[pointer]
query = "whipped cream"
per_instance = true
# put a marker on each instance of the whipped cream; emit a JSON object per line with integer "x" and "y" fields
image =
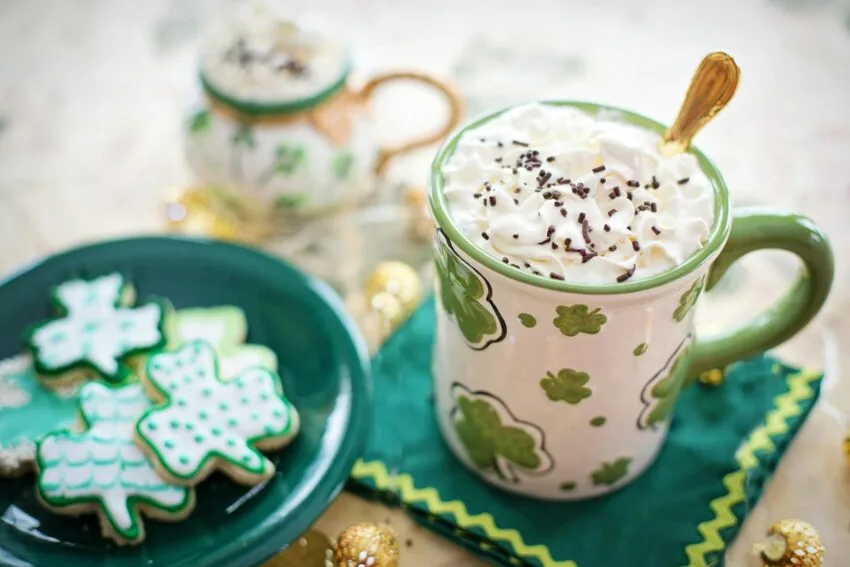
{"x": 557, "y": 192}
{"x": 259, "y": 55}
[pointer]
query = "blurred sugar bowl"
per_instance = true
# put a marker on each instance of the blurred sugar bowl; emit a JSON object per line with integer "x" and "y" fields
{"x": 282, "y": 127}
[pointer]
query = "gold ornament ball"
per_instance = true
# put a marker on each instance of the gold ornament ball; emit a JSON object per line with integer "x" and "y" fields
{"x": 366, "y": 545}
{"x": 394, "y": 290}
{"x": 712, "y": 377}
{"x": 792, "y": 543}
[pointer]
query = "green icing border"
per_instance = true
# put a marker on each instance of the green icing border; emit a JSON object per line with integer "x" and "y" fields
{"x": 166, "y": 403}
{"x": 124, "y": 372}
{"x": 136, "y": 530}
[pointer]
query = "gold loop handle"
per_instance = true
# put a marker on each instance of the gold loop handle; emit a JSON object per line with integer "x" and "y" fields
{"x": 455, "y": 113}
{"x": 711, "y": 88}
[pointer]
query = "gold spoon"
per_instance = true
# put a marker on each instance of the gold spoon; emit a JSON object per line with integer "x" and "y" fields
{"x": 711, "y": 89}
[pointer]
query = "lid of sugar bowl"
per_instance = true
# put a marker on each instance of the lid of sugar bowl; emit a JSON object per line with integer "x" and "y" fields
{"x": 260, "y": 62}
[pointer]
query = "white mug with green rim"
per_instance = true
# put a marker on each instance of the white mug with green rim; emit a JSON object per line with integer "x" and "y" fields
{"x": 563, "y": 391}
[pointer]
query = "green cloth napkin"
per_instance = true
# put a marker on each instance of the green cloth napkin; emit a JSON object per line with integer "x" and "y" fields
{"x": 724, "y": 444}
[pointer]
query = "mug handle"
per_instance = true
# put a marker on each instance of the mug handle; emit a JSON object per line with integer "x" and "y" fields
{"x": 757, "y": 230}
{"x": 455, "y": 111}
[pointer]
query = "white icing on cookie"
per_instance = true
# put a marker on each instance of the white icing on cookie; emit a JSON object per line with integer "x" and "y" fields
{"x": 95, "y": 330}
{"x": 16, "y": 455}
{"x": 12, "y": 395}
{"x": 204, "y": 418}
{"x": 103, "y": 462}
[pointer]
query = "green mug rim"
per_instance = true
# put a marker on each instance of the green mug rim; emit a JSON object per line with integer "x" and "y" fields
{"x": 254, "y": 108}
{"x": 717, "y": 235}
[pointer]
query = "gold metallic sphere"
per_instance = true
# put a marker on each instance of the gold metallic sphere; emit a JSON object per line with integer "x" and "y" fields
{"x": 393, "y": 290}
{"x": 792, "y": 543}
{"x": 366, "y": 545}
{"x": 712, "y": 377}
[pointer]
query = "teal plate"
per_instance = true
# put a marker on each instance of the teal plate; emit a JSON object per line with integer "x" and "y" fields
{"x": 324, "y": 366}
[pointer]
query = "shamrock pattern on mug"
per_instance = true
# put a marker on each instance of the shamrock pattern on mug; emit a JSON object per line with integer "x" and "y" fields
{"x": 203, "y": 423}
{"x": 97, "y": 329}
{"x": 467, "y": 297}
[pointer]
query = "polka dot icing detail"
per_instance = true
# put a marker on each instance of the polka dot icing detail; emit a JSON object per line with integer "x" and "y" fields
{"x": 259, "y": 412}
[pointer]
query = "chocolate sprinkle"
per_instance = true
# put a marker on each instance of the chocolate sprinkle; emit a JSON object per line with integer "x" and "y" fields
{"x": 492, "y": 201}
{"x": 612, "y": 248}
{"x": 550, "y": 159}
{"x": 655, "y": 184}
{"x": 585, "y": 231}
{"x": 623, "y": 277}
{"x": 555, "y": 276}
{"x": 635, "y": 245}
{"x": 498, "y": 160}
{"x": 516, "y": 201}
{"x": 606, "y": 228}
{"x": 505, "y": 260}
{"x": 655, "y": 230}
{"x": 684, "y": 180}
{"x": 563, "y": 212}
{"x": 554, "y": 246}
{"x": 599, "y": 169}
{"x": 581, "y": 217}
{"x": 632, "y": 183}
{"x": 518, "y": 143}
{"x": 516, "y": 236}
{"x": 477, "y": 195}
{"x": 551, "y": 230}
{"x": 611, "y": 212}
{"x": 603, "y": 180}
{"x": 653, "y": 207}
{"x": 485, "y": 236}
{"x": 559, "y": 203}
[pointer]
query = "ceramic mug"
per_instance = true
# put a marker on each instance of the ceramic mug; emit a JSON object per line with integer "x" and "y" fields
{"x": 299, "y": 156}
{"x": 564, "y": 391}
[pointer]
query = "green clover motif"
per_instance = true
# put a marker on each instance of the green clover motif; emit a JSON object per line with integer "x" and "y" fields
{"x": 244, "y": 136}
{"x": 341, "y": 164}
{"x": 493, "y": 445}
{"x": 289, "y": 201}
{"x": 465, "y": 295}
{"x": 567, "y": 386}
{"x": 287, "y": 160}
{"x": 688, "y": 300}
{"x": 609, "y": 474}
{"x": 575, "y": 319}
{"x": 200, "y": 122}
{"x": 660, "y": 394}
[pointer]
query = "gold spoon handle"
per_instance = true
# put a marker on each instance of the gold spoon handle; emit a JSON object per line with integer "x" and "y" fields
{"x": 711, "y": 88}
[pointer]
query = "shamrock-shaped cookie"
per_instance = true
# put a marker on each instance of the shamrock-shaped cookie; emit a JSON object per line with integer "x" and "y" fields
{"x": 225, "y": 329}
{"x": 97, "y": 329}
{"x": 102, "y": 470}
{"x": 28, "y": 411}
{"x": 203, "y": 423}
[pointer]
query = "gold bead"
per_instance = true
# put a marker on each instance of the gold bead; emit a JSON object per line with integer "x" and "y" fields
{"x": 420, "y": 224}
{"x": 393, "y": 290}
{"x": 310, "y": 550}
{"x": 366, "y": 545}
{"x": 792, "y": 543}
{"x": 847, "y": 446}
{"x": 201, "y": 211}
{"x": 712, "y": 377}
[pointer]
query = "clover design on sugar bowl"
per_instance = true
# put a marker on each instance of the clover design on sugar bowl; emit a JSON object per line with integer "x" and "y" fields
{"x": 281, "y": 125}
